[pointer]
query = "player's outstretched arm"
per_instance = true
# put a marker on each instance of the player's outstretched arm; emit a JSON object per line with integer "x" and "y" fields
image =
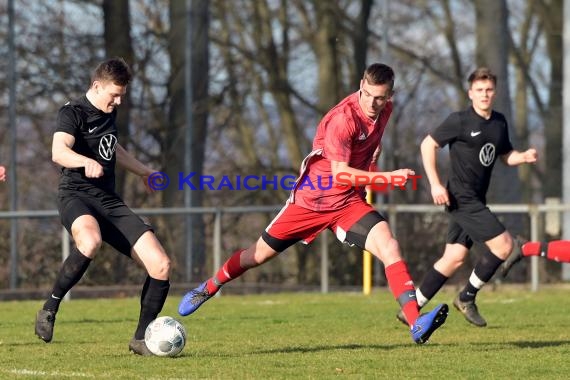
{"x": 130, "y": 163}
{"x": 514, "y": 157}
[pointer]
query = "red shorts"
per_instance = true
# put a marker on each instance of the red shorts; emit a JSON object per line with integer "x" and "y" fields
{"x": 295, "y": 223}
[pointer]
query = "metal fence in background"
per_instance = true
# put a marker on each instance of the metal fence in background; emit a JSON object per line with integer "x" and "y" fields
{"x": 533, "y": 211}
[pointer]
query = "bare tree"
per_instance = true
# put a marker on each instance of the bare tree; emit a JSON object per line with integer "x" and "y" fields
{"x": 174, "y": 145}
{"x": 550, "y": 12}
{"x": 522, "y": 54}
{"x": 492, "y": 51}
{"x": 275, "y": 68}
{"x": 117, "y": 36}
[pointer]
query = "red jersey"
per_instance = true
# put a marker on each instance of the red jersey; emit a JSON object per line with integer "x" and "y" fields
{"x": 344, "y": 134}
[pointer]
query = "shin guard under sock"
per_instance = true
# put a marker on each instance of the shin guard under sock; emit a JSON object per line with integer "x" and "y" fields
{"x": 230, "y": 270}
{"x": 70, "y": 273}
{"x": 153, "y": 296}
{"x": 402, "y": 287}
{"x": 431, "y": 284}
{"x": 482, "y": 273}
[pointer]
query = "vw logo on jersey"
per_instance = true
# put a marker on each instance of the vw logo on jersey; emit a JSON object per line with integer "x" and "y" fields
{"x": 107, "y": 146}
{"x": 487, "y": 154}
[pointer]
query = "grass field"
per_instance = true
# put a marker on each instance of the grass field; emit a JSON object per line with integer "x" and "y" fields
{"x": 297, "y": 336}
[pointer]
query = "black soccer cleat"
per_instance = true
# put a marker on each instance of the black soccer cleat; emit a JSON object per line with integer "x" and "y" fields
{"x": 138, "y": 347}
{"x": 470, "y": 312}
{"x": 45, "y": 319}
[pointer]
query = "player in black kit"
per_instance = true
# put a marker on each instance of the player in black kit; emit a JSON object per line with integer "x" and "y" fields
{"x": 476, "y": 137}
{"x": 85, "y": 146}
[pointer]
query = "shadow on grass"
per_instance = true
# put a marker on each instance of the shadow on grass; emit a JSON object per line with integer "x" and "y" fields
{"x": 320, "y": 348}
{"x": 387, "y": 347}
{"x": 535, "y": 344}
{"x": 485, "y": 346}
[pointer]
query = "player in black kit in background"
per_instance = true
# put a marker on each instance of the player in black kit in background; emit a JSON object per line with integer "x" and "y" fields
{"x": 85, "y": 146}
{"x": 476, "y": 137}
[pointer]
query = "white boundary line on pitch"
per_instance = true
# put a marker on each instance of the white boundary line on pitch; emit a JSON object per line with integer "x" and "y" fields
{"x": 25, "y": 372}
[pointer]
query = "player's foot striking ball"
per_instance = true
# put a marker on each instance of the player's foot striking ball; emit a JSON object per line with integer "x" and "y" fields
{"x": 193, "y": 300}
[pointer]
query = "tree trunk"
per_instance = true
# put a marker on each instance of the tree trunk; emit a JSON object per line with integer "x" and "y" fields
{"x": 175, "y": 137}
{"x": 360, "y": 40}
{"x": 551, "y": 14}
{"x": 200, "y": 112}
{"x": 117, "y": 35}
{"x": 326, "y": 49}
{"x": 492, "y": 51}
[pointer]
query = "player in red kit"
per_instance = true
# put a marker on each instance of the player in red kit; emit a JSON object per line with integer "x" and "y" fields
{"x": 347, "y": 144}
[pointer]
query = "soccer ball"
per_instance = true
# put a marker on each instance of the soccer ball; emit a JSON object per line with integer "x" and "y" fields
{"x": 165, "y": 336}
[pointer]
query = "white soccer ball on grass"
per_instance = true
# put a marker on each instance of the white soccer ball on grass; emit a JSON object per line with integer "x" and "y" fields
{"x": 165, "y": 336}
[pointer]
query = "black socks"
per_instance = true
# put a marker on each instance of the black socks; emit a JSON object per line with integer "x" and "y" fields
{"x": 70, "y": 273}
{"x": 153, "y": 296}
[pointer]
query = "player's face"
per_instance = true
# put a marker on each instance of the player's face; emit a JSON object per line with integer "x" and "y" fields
{"x": 109, "y": 95}
{"x": 482, "y": 95}
{"x": 373, "y": 99}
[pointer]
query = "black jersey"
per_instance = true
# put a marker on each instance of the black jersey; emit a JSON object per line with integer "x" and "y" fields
{"x": 474, "y": 145}
{"x": 95, "y": 137}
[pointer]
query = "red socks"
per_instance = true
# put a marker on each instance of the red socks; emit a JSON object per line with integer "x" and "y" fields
{"x": 230, "y": 270}
{"x": 401, "y": 284}
{"x": 531, "y": 248}
{"x": 557, "y": 250}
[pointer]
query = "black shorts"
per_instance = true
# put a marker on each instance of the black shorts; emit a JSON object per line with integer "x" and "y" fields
{"x": 120, "y": 227}
{"x": 466, "y": 227}
{"x": 359, "y": 231}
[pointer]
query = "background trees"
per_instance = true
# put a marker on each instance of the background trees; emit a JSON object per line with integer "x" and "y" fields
{"x": 263, "y": 72}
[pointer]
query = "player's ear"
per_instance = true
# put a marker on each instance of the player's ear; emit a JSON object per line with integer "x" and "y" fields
{"x": 96, "y": 85}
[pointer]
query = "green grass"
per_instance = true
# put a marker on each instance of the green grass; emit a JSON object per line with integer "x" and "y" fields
{"x": 302, "y": 336}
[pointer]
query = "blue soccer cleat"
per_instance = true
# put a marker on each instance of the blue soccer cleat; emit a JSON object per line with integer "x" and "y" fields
{"x": 427, "y": 323}
{"x": 193, "y": 300}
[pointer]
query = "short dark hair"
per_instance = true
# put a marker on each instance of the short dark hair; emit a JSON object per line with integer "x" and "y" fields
{"x": 379, "y": 73}
{"x": 482, "y": 73}
{"x": 114, "y": 70}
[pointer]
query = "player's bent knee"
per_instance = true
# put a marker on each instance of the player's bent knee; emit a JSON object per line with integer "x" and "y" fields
{"x": 261, "y": 255}
{"x": 393, "y": 247}
{"x": 89, "y": 246}
{"x": 504, "y": 250}
{"x": 160, "y": 270}
{"x": 389, "y": 253}
{"x": 454, "y": 264}
{"x": 504, "y": 253}
{"x": 453, "y": 261}
{"x": 164, "y": 266}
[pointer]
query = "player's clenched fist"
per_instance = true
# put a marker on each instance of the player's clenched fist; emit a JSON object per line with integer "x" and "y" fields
{"x": 93, "y": 169}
